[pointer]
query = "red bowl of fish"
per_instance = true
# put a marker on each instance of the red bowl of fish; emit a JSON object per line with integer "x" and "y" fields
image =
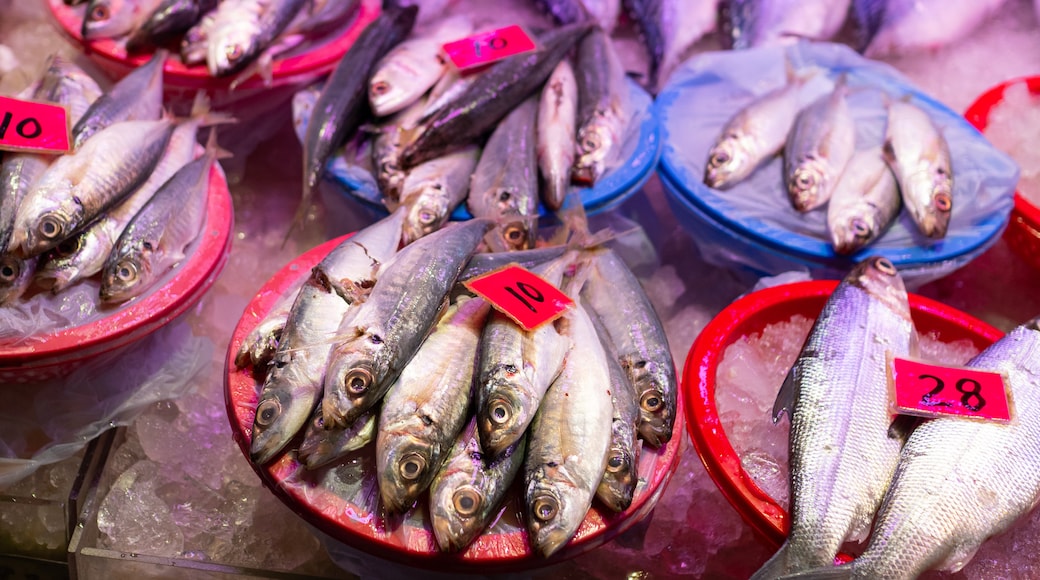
{"x": 183, "y": 81}
{"x": 59, "y": 353}
{"x": 320, "y": 496}
{"x": 1023, "y": 232}
{"x": 717, "y": 433}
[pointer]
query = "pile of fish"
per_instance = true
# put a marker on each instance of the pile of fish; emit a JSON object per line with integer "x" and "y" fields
{"x": 386, "y": 347}
{"x": 522, "y": 129}
{"x": 925, "y": 495}
{"x": 865, "y": 188}
{"x": 228, "y": 36}
{"x": 124, "y": 204}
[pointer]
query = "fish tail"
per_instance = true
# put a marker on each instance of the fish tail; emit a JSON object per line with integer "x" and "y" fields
{"x": 201, "y": 112}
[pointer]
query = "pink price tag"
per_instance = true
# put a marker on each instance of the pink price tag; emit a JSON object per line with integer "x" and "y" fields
{"x": 488, "y": 47}
{"x": 521, "y": 295}
{"x": 32, "y": 126}
{"x": 931, "y": 390}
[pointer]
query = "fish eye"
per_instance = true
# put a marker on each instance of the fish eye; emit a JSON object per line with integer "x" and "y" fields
{"x": 319, "y": 421}
{"x": 70, "y": 246}
{"x": 616, "y": 461}
{"x": 500, "y": 412}
{"x": 126, "y": 271}
{"x": 380, "y": 88}
{"x": 100, "y": 13}
{"x": 466, "y": 501}
{"x": 233, "y": 52}
{"x": 719, "y": 158}
{"x": 885, "y": 266}
{"x": 9, "y": 271}
{"x": 943, "y": 202}
{"x": 514, "y": 234}
{"x": 411, "y": 466}
{"x": 651, "y": 401}
{"x": 860, "y": 228}
{"x": 357, "y": 381}
{"x": 591, "y": 142}
{"x": 50, "y": 227}
{"x": 545, "y": 508}
{"x": 804, "y": 180}
{"x": 503, "y": 196}
{"x": 267, "y": 412}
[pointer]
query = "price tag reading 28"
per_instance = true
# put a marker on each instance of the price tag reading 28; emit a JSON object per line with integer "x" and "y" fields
{"x": 488, "y": 47}
{"x": 31, "y": 126}
{"x": 521, "y": 295}
{"x": 930, "y": 390}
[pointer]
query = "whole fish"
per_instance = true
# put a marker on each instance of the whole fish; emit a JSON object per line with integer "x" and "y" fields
{"x": 425, "y": 409}
{"x": 78, "y": 187}
{"x": 492, "y": 96}
{"x": 344, "y": 101}
{"x": 242, "y": 29}
{"x": 261, "y": 343}
{"x": 168, "y": 22}
{"x": 754, "y": 23}
{"x": 918, "y": 25}
{"x": 293, "y": 386}
{"x": 432, "y": 191}
{"x": 516, "y": 368}
{"x": 321, "y": 446}
{"x": 390, "y": 139}
{"x": 842, "y": 455}
{"x": 467, "y": 491}
{"x": 391, "y": 323}
{"x": 646, "y": 14}
{"x": 617, "y": 298}
{"x": 136, "y": 97}
{"x": 504, "y": 187}
{"x": 412, "y": 67}
{"x": 604, "y": 110}
{"x": 754, "y": 135}
{"x": 820, "y": 144}
{"x": 195, "y": 43}
{"x": 683, "y": 23}
{"x": 569, "y": 440}
{"x": 917, "y": 152}
{"x": 960, "y": 482}
{"x": 864, "y": 203}
{"x": 557, "y": 127}
{"x": 114, "y": 18}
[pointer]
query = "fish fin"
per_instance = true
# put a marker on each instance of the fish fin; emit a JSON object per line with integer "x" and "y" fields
{"x": 200, "y": 109}
{"x": 903, "y": 425}
{"x": 774, "y": 567}
{"x": 785, "y": 396}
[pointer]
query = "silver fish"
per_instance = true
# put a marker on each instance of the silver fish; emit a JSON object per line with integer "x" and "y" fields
{"x": 505, "y": 183}
{"x": 321, "y": 446}
{"x": 919, "y": 156}
{"x": 390, "y": 139}
{"x": 919, "y": 25}
{"x": 820, "y": 144}
{"x": 114, "y": 18}
{"x": 604, "y": 110}
{"x": 864, "y": 203}
{"x": 66, "y": 83}
{"x": 242, "y": 29}
{"x": 842, "y": 455}
{"x": 485, "y": 262}
{"x": 136, "y": 97}
{"x": 557, "y": 127}
{"x": 432, "y": 190}
{"x": 468, "y": 490}
{"x": 392, "y": 322}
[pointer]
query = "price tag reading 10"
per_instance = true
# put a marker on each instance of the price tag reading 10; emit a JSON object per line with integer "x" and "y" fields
{"x": 521, "y": 295}
{"x": 31, "y": 126}
{"x": 487, "y": 47}
{"x": 930, "y": 390}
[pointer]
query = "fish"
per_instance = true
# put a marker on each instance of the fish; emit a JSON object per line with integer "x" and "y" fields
{"x": 390, "y": 324}
{"x": 447, "y": 89}
{"x": 389, "y": 140}
{"x": 242, "y": 29}
{"x": 65, "y": 82}
{"x": 504, "y": 187}
{"x": 516, "y": 368}
{"x": 194, "y": 45}
{"x": 425, "y": 409}
{"x": 758, "y": 23}
{"x": 614, "y": 294}
{"x": 959, "y": 482}
{"x": 114, "y": 18}
{"x": 168, "y": 23}
{"x": 754, "y": 134}
{"x": 557, "y": 128}
{"x": 343, "y": 103}
{"x": 467, "y": 491}
{"x": 842, "y": 451}
{"x": 259, "y": 346}
{"x": 321, "y": 446}
{"x": 432, "y": 191}
{"x": 919, "y": 156}
{"x": 569, "y": 439}
{"x": 412, "y": 67}
{"x": 864, "y": 203}
{"x": 909, "y": 26}
{"x": 492, "y": 96}
{"x": 293, "y": 386}
{"x": 486, "y": 262}
{"x": 682, "y": 24}
{"x": 78, "y": 187}
{"x": 646, "y": 15}
{"x": 820, "y": 145}
{"x": 604, "y": 110}
{"x": 136, "y": 97}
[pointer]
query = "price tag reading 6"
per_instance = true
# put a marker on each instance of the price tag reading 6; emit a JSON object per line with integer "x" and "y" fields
{"x": 521, "y": 295}
{"x": 488, "y": 47}
{"x": 931, "y": 390}
{"x": 31, "y": 126}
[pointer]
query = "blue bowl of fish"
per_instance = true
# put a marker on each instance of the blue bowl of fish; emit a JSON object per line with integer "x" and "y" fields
{"x": 749, "y": 222}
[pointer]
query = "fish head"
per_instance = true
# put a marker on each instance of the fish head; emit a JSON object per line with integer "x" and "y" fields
{"x": 595, "y": 143}
{"x": 15, "y": 275}
{"x": 231, "y": 47}
{"x": 321, "y": 446}
{"x": 356, "y": 370}
{"x": 456, "y": 507}
{"x": 128, "y": 274}
{"x": 879, "y": 277}
{"x": 384, "y": 96}
{"x": 728, "y": 162}
{"x": 554, "y": 511}
{"x": 426, "y": 213}
{"x": 280, "y": 414}
{"x": 852, "y": 233}
{"x": 47, "y": 221}
{"x": 107, "y": 18}
{"x": 807, "y": 184}
{"x": 933, "y": 183}
{"x": 503, "y": 417}
{"x": 656, "y": 410}
{"x": 405, "y": 464}
{"x": 622, "y": 471}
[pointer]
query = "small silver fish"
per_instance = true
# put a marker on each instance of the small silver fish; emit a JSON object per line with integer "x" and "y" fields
{"x": 604, "y": 109}
{"x": 864, "y": 203}
{"x": 820, "y": 144}
{"x": 557, "y": 126}
{"x": 919, "y": 156}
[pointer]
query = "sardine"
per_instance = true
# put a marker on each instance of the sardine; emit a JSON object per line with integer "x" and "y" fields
{"x": 468, "y": 490}
{"x": 820, "y": 144}
{"x": 604, "y": 110}
{"x": 432, "y": 191}
{"x": 842, "y": 455}
{"x": 167, "y": 23}
{"x": 504, "y": 187}
{"x": 242, "y": 29}
{"x": 389, "y": 326}
{"x": 919, "y": 156}
{"x": 557, "y": 127}
{"x": 754, "y": 23}
{"x": 321, "y": 446}
{"x": 918, "y": 25}
{"x": 492, "y": 96}
{"x": 864, "y": 203}
{"x": 114, "y": 18}
{"x": 136, "y": 97}
{"x": 390, "y": 139}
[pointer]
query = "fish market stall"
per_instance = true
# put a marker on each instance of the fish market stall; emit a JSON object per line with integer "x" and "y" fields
{"x": 174, "y": 490}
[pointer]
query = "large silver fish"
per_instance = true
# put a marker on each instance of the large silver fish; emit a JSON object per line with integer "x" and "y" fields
{"x": 505, "y": 183}
{"x": 820, "y": 144}
{"x": 242, "y": 29}
{"x": 864, "y": 203}
{"x": 960, "y": 482}
{"x": 377, "y": 342}
{"x": 136, "y": 97}
{"x": 918, "y": 25}
{"x": 557, "y": 128}
{"x": 604, "y": 110}
{"x": 842, "y": 455}
{"x": 431, "y": 191}
{"x": 919, "y": 156}
{"x": 114, "y": 18}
